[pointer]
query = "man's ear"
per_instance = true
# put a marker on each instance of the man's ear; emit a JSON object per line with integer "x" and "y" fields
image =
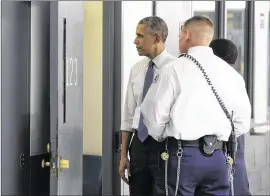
{"x": 187, "y": 34}
{"x": 158, "y": 39}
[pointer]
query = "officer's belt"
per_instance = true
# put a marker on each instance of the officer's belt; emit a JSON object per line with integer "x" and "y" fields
{"x": 173, "y": 143}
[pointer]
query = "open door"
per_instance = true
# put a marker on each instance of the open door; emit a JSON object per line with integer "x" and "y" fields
{"x": 56, "y": 132}
{"x": 66, "y": 100}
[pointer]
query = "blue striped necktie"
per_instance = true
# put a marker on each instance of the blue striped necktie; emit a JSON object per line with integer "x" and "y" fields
{"x": 142, "y": 129}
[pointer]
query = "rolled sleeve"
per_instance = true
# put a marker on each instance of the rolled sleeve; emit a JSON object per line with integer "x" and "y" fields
{"x": 128, "y": 108}
{"x": 242, "y": 112}
{"x": 158, "y": 102}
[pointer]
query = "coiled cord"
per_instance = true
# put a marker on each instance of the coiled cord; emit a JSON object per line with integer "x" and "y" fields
{"x": 221, "y": 103}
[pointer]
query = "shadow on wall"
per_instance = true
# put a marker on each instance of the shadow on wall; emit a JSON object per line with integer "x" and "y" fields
{"x": 92, "y": 175}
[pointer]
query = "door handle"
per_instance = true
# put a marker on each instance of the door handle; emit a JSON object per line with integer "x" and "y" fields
{"x": 48, "y": 148}
{"x": 45, "y": 164}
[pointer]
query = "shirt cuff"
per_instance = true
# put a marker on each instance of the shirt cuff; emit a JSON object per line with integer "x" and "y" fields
{"x": 125, "y": 126}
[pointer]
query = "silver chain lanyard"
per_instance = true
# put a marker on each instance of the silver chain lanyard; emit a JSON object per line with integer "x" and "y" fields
{"x": 179, "y": 155}
{"x": 230, "y": 173}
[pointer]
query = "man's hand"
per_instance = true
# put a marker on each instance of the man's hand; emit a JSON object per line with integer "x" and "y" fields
{"x": 124, "y": 164}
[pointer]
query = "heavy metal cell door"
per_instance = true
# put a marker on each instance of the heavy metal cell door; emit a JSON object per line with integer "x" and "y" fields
{"x": 66, "y": 100}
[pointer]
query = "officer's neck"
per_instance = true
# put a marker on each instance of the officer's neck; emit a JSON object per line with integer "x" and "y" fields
{"x": 199, "y": 43}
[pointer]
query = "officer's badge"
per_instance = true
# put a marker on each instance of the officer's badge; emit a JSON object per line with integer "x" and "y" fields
{"x": 156, "y": 78}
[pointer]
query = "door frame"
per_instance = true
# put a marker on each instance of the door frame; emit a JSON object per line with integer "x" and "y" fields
{"x": 1, "y": 97}
{"x": 111, "y": 97}
{"x": 15, "y": 161}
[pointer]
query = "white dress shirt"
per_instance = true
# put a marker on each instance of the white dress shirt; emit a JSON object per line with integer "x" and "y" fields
{"x": 131, "y": 109}
{"x": 181, "y": 104}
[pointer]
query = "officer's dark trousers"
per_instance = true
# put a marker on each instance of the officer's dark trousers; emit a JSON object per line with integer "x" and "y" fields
{"x": 241, "y": 184}
{"x": 144, "y": 162}
{"x": 199, "y": 175}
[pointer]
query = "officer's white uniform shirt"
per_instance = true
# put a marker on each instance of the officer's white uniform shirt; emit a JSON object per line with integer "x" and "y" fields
{"x": 181, "y": 104}
{"x": 133, "y": 99}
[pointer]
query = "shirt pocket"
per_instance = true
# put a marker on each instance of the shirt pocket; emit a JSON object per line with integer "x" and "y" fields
{"x": 137, "y": 88}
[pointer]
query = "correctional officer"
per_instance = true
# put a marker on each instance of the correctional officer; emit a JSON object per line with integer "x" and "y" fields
{"x": 227, "y": 50}
{"x": 151, "y": 34}
{"x": 192, "y": 108}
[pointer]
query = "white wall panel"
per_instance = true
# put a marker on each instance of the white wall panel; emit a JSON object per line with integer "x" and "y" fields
{"x": 0, "y": 97}
{"x": 132, "y": 13}
{"x": 235, "y": 5}
{"x": 203, "y": 6}
{"x": 261, "y": 56}
{"x": 174, "y": 13}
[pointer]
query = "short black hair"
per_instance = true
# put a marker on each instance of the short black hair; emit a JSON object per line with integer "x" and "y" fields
{"x": 225, "y": 49}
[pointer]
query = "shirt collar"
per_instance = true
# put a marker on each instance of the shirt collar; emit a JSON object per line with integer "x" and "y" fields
{"x": 159, "y": 60}
{"x": 200, "y": 49}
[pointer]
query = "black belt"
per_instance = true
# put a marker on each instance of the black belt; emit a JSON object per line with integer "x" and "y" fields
{"x": 173, "y": 143}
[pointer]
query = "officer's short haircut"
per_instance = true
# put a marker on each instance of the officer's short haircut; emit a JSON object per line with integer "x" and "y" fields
{"x": 156, "y": 25}
{"x": 199, "y": 18}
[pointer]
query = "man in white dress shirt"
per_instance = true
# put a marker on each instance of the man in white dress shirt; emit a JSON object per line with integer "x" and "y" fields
{"x": 151, "y": 34}
{"x": 182, "y": 112}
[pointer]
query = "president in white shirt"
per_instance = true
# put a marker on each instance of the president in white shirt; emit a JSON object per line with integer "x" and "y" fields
{"x": 180, "y": 109}
{"x": 142, "y": 167}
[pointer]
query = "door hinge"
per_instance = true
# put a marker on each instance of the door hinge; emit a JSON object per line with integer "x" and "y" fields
{"x": 117, "y": 141}
{"x": 22, "y": 160}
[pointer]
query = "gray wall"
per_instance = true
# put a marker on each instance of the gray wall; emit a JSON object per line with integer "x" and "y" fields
{"x": 39, "y": 79}
{"x": 257, "y": 162}
{"x": 1, "y": 96}
{"x": 15, "y": 65}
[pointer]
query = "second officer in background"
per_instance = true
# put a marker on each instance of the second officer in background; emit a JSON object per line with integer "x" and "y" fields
{"x": 227, "y": 50}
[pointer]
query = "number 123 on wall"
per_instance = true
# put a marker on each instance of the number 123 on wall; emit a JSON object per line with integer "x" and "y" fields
{"x": 71, "y": 71}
